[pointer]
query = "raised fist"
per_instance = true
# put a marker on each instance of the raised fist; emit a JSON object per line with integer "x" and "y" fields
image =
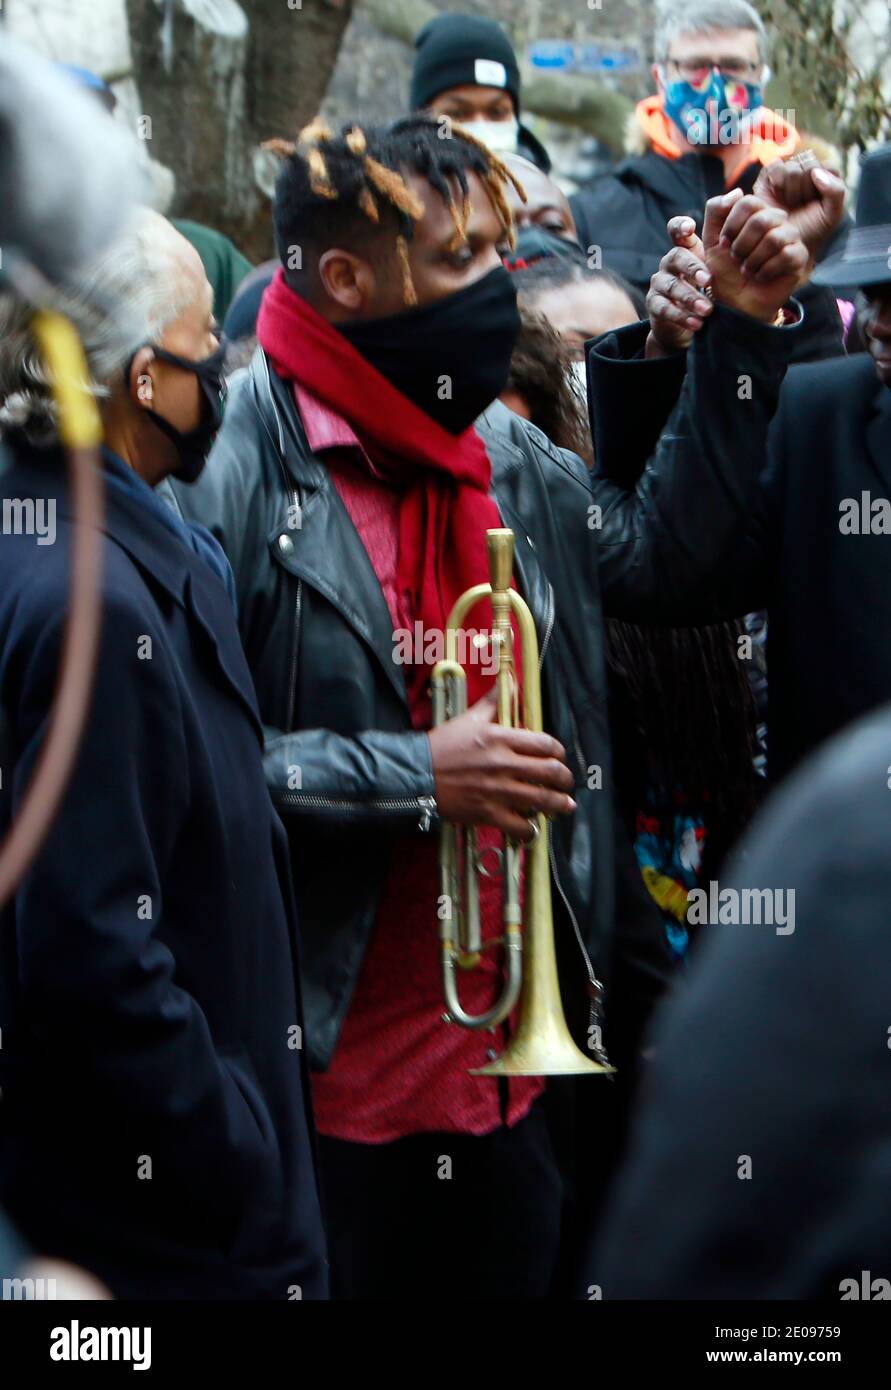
{"x": 751, "y": 257}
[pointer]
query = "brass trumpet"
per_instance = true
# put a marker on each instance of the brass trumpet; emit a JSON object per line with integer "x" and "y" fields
{"x": 542, "y": 1044}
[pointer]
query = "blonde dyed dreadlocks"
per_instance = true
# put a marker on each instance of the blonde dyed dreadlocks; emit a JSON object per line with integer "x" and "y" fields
{"x": 332, "y": 183}
{"x": 497, "y": 175}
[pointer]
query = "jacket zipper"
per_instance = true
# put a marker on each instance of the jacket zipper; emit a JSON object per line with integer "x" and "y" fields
{"x": 298, "y": 601}
{"x": 426, "y": 805}
{"x": 583, "y": 771}
{"x": 549, "y": 625}
{"x": 292, "y": 685}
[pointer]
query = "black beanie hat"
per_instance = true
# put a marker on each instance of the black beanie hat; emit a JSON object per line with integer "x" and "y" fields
{"x": 457, "y": 49}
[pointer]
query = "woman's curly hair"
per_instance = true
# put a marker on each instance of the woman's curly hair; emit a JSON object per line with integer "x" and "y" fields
{"x": 539, "y": 372}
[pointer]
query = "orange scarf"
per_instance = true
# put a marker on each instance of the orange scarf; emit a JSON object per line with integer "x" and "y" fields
{"x": 772, "y": 136}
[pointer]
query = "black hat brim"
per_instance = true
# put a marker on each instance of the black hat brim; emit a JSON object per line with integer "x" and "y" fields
{"x": 850, "y": 272}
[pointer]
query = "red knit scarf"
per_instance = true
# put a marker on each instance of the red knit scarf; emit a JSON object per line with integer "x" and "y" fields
{"x": 446, "y": 508}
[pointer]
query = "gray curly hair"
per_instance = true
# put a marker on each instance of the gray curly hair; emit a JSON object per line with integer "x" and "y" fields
{"x": 676, "y": 17}
{"x": 125, "y": 299}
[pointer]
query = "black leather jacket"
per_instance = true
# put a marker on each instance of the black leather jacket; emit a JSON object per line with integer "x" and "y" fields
{"x": 353, "y": 781}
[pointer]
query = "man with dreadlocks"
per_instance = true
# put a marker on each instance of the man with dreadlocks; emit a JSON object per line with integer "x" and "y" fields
{"x": 362, "y": 458}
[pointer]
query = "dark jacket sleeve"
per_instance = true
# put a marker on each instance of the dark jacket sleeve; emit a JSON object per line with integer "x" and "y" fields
{"x": 665, "y": 542}
{"x": 630, "y": 400}
{"x": 101, "y": 990}
{"x": 372, "y": 776}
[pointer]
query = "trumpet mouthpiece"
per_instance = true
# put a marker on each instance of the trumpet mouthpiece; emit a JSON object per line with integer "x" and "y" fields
{"x": 500, "y": 542}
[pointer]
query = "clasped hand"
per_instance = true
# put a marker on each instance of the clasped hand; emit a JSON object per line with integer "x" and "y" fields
{"x": 756, "y": 249}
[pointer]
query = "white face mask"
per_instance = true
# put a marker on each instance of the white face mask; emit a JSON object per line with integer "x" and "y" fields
{"x": 577, "y": 376}
{"x": 499, "y": 136}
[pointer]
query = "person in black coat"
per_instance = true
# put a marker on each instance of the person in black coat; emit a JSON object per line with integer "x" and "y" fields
{"x": 155, "y": 1120}
{"x": 813, "y": 552}
{"x": 711, "y": 65}
{"x": 759, "y": 1160}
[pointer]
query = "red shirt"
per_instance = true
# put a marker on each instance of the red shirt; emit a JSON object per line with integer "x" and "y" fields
{"x": 398, "y": 1069}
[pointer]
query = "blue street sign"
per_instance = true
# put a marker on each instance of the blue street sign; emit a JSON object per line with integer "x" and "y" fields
{"x": 560, "y": 55}
{"x": 552, "y": 53}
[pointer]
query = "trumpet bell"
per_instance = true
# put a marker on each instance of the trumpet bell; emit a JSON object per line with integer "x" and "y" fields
{"x": 542, "y": 1044}
{"x": 538, "y": 1051}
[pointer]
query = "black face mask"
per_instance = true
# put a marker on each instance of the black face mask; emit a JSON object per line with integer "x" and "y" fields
{"x": 193, "y": 446}
{"x": 539, "y": 244}
{"x": 450, "y": 358}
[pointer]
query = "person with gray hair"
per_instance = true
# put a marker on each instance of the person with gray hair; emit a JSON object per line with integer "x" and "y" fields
{"x": 706, "y": 131}
{"x": 704, "y": 18}
{"x": 155, "y": 1120}
{"x": 144, "y": 313}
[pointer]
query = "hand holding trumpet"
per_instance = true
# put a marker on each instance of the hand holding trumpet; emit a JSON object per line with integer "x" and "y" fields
{"x": 489, "y": 775}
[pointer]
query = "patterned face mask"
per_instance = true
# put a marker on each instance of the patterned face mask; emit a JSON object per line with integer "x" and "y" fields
{"x": 715, "y": 111}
